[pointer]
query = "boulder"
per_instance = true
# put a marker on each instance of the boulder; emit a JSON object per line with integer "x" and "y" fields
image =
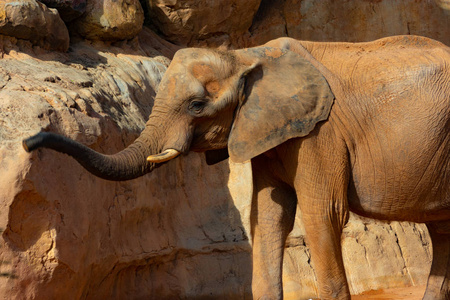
{"x": 68, "y": 9}
{"x": 33, "y": 21}
{"x": 208, "y": 23}
{"x": 110, "y": 20}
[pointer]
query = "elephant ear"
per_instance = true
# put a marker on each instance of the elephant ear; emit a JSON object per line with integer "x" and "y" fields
{"x": 284, "y": 97}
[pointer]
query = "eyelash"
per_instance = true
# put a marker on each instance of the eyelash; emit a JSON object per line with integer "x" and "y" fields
{"x": 197, "y": 106}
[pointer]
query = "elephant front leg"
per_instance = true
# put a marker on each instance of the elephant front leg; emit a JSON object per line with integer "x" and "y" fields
{"x": 438, "y": 285}
{"x": 323, "y": 229}
{"x": 322, "y": 177}
{"x": 272, "y": 218}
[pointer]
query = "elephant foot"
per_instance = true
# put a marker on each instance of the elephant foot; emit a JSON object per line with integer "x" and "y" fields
{"x": 438, "y": 285}
{"x": 342, "y": 295}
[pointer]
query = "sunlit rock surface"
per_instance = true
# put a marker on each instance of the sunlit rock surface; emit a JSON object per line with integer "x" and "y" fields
{"x": 182, "y": 231}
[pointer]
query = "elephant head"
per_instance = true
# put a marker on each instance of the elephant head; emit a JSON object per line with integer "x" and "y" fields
{"x": 248, "y": 101}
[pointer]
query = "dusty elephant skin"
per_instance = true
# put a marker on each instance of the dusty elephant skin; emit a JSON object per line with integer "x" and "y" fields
{"x": 328, "y": 127}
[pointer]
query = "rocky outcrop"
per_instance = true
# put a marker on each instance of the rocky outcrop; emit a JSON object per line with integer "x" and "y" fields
{"x": 33, "y": 21}
{"x": 69, "y": 10}
{"x": 101, "y": 98}
{"x": 182, "y": 231}
{"x": 208, "y": 23}
{"x": 104, "y": 20}
{"x": 230, "y": 24}
{"x": 377, "y": 255}
{"x": 110, "y": 20}
{"x": 350, "y": 21}
{"x": 250, "y": 23}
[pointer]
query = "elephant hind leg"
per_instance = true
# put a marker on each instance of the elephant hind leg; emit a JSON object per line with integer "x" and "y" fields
{"x": 438, "y": 285}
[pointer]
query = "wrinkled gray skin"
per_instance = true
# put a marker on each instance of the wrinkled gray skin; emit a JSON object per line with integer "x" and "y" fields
{"x": 331, "y": 127}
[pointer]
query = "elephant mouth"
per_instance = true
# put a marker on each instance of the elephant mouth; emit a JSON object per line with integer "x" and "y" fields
{"x": 164, "y": 156}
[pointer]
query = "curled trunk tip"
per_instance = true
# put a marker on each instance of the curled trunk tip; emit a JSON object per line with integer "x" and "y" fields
{"x": 25, "y": 146}
{"x": 35, "y": 141}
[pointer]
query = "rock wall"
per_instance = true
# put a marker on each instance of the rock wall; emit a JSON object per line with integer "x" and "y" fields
{"x": 182, "y": 231}
{"x": 200, "y": 22}
{"x": 351, "y": 21}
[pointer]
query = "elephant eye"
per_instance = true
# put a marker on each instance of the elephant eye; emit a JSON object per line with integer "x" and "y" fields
{"x": 196, "y": 106}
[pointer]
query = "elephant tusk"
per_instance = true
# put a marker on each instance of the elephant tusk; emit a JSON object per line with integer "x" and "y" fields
{"x": 163, "y": 156}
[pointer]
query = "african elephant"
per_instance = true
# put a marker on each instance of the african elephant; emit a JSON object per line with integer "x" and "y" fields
{"x": 331, "y": 127}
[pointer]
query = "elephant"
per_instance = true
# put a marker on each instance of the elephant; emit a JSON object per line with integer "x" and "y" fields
{"x": 328, "y": 127}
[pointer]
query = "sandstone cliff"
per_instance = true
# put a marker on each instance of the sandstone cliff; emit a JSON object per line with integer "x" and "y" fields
{"x": 182, "y": 231}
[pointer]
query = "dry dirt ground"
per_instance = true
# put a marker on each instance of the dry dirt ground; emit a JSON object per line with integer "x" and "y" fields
{"x": 407, "y": 293}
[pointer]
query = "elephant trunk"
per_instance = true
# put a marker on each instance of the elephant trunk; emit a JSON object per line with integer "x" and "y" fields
{"x": 127, "y": 164}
